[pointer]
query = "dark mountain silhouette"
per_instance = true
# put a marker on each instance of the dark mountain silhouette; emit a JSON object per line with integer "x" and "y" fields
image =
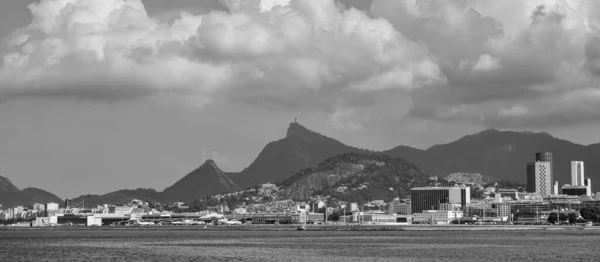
{"x": 492, "y": 153}
{"x": 503, "y": 155}
{"x": 206, "y": 180}
{"x": 301, "y": 148}
{"x": 11, "y": 196}
{"x": 119, "y": 197}
{"x": 6, "y": 186}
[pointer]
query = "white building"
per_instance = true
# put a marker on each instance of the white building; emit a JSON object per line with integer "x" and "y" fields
{"x": 577, "y": 173}
{"x": 51, "y": 206}
{"x": 588, "y": 186}
{"x": 438, "y": 217}
{"x": 539, "y": 178}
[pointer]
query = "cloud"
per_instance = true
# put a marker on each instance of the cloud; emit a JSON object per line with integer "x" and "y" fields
{"x": 487, "y": 63}
{"x": 493, "y": 53}
{"x": 260, "y": 50}
{"x": 456, "y": 60}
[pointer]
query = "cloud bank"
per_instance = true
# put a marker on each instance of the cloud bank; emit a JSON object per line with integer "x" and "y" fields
{"x": 503, "y": 63}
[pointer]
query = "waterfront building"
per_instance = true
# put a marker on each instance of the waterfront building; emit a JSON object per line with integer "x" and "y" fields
{"x": 396, "y": 207}
{"x": 539, "y": 178}
{"x": 577, "y": 174}
{"x": 430, "y": 198}
{"x": 437, "y": 217}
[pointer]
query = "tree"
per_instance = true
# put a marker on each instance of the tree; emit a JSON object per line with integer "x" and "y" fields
{"x": 572, "y": 218}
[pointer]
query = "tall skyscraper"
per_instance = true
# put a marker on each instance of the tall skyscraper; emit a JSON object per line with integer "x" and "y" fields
{"x": 577, "y": 173}
{"x": 546, "y": 157}
{"x": 538, "y": 178}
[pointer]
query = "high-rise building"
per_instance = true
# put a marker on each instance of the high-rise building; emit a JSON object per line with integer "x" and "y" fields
{"x": 539, "y": 178}
{"x": 588, "y": 186}
{"x": 430, "y": 198}
{"x": 546, "y": 157}
{"x": 556, "y": 188}
{"x": 543, "y": 157}
{"x": 577, "y": 174}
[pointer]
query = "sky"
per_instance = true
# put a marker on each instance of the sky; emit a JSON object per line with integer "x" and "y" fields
{"x": 101, "y": 95}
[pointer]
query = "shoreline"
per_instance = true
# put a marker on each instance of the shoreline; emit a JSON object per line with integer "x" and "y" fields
{"x": 322, "y": 228}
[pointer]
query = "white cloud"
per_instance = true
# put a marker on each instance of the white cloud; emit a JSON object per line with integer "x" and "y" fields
{"x": 120, "y": 51}
{"x": 487, "y": 62}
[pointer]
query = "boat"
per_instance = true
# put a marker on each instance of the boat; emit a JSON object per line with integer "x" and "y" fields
{"x": 301, "y": 227}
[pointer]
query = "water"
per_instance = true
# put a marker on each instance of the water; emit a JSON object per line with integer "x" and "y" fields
{"x": 157, "y": 244}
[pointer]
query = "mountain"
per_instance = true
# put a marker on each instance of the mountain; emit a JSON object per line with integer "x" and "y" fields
{"x": 502, "y": 155}
{"x": 301, "y": 148}
{"x": 347, "y": 177}
{"x": 206, "y": 180}
{"x": 11, "y": 196}
{"x": 6, "y": 186}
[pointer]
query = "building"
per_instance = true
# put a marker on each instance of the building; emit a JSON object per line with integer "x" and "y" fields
{"x": 269, "y": 185}
{"x": 120, "y": 210}
{"x": 501, "y": 209}
{"x": 430, "y": 198}
{"x": 588, "y": 186}
{"x": 396, "y": 207}
{"x": 556, "y": 188}
{"x": 546, "y": 157}
{"x": 436, "y": 217}
{"x": 570, "y": 190}
{"x": 450, "y": 207}
{"x": 351, "y": 207}
{"x": 512, "y": 193}
{"x": 539, "y": 178}
{"x": 385, "y": 219}
{"x": 577, "y": 175}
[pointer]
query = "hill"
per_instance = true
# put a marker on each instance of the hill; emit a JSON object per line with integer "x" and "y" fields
{"x": 27, "y": 197}
{"x": 357, "y": 178}
{"x": 301, "y": 148}
{"x": 206, "y": 180}
{"x": 119, "y": 197}
{"x": 347, "y": 177}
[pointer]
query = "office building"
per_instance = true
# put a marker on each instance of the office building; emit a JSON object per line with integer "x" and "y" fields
{"x": 588, "y": 185}
{"x": 430, "y": 198}
{"x": 402, "y": 208}
{"x": 546, "y": 157}
{"x": 577, "y": 174}
{"x": 539, "y": 178}
{"x": 556, "y": 188}
{"x": 570, "y": 190}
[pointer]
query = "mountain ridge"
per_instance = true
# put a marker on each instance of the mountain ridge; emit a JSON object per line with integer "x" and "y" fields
{"x": 495, "y": 153}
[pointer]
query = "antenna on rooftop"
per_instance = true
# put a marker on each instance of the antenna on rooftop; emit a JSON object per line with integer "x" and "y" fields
{"x": 295, "y": 120}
